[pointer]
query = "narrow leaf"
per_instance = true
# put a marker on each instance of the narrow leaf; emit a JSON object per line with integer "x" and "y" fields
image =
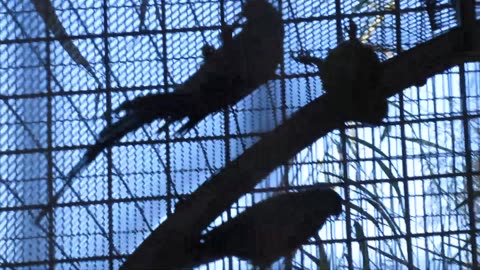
{"x": 449, "y": 260}
{"x": 364, "y": 213}
{"x": 464, "y": 202}
{"x": 423, "y": 142}
{"x": 46, "y": 10}
{"x": 363, "y": 245}
{"x": 394, "y": 258}
{"x": 385, "y": 133}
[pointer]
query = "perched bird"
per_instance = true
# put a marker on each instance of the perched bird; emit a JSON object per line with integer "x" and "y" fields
{"x": 271, "y": 229}
{"x": 228, "y": 74}
{"x": 350, "y": 74}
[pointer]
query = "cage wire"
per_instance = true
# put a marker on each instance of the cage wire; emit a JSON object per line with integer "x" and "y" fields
{"x": 408, "y": 180}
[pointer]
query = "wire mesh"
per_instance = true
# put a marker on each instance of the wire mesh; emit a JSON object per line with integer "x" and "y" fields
{"x": 408, "y": 180}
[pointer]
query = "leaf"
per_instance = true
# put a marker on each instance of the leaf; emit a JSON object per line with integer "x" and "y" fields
{"x": 423, "y": 142}
{"x": 449, "y": 260}
{"x": 394, "y": 258}
{"x": 363, "y": 245}
{"x": 367, "y": 215}
{"x": 407, "y": 113}
{"x": 385, "y": 133}
{"x": 394, "y": 183}
{"x": 46, "y": 10}
{"x": 464, "y": 202}
{"x": 322, "y": 262}
{"x": 380, "y": 208}
{"x": 373, "y": 148}
{"x": 310, "y": 256}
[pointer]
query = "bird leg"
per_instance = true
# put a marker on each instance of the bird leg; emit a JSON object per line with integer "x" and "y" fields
{"x": 227, "y": 35}
{"x": 207, "y": 51}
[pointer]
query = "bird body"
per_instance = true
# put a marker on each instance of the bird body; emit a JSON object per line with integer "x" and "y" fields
{"x": 271, "y": 229}
{"x": 227, "y": 75}
{"x": 350, "y": 74}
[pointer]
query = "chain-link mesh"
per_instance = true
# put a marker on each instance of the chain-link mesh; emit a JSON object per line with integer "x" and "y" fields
{"x": 409, "y": 180}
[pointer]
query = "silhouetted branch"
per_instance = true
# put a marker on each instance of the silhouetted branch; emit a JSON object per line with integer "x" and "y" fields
{"x": 168, "y": 243}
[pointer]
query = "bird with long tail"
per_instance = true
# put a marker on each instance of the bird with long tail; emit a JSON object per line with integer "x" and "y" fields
{"x": 227, "y": 75}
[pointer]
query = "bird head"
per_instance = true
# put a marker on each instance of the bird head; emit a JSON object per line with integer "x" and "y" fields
{"x": 337, "y": 203}
{"x": 259, "y": 9}
{"x": 331, "y": 202}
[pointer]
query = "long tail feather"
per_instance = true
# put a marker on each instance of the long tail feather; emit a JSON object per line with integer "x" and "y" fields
{"x": 140, "y": 111}
{"x": 107, "y": 137}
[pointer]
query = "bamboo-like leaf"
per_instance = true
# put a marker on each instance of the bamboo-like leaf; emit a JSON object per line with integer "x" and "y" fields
{"x": 395, "y": 185}
{"x": 423, "y": 142}
{"x": 449, "y": 260}
{"x": 380, "y": 208}
{"x": 310, "y": 256}
{"x": 46, "y": 10}
{"x": 394, "y": 258}
{"x": 407, "y": 113}
{"x": 393, "y": 225}
{"x": 369, "y": 145}
{"x": 323, "y": 260}
{"x": 363, "y": 245}
{"x": 464, "y": 202}
{"x": 364, "y": 213}
{"x": 377, "y": 150}
{"x": 464, "y": 247}
{"x": 386, "y": 132}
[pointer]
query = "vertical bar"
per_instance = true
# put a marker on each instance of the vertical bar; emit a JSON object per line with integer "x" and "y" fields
{"x": 106, "y": 62}
{"x": 226, "y": 119}
{"x": 348, "y": 219}
{"x": 469, "y": 169}
{"x": 168, "y": 166}
{"x": 408, "y": 236}
{"x": 50, "y": 188}
{"x": 467, "y": 22}
{"x": 283, "y": 108}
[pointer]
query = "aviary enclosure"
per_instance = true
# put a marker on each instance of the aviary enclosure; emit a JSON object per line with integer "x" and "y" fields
{"x": 154, "y": 134}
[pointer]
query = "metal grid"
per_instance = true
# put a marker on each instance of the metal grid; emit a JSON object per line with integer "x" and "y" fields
{"x": 410, "y": 176}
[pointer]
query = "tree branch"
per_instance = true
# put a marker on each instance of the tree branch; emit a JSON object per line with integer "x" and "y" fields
{"x": 166, "y": 247}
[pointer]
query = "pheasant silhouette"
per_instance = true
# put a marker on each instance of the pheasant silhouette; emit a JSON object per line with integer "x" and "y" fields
{"x": 228, "y": 74}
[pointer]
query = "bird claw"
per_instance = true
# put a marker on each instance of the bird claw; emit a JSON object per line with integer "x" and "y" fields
{"x": 207, "y": 51}
{"x": 306, "y": 58}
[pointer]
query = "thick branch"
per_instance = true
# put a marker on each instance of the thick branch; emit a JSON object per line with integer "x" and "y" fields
{"x": 165, "y": 247}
